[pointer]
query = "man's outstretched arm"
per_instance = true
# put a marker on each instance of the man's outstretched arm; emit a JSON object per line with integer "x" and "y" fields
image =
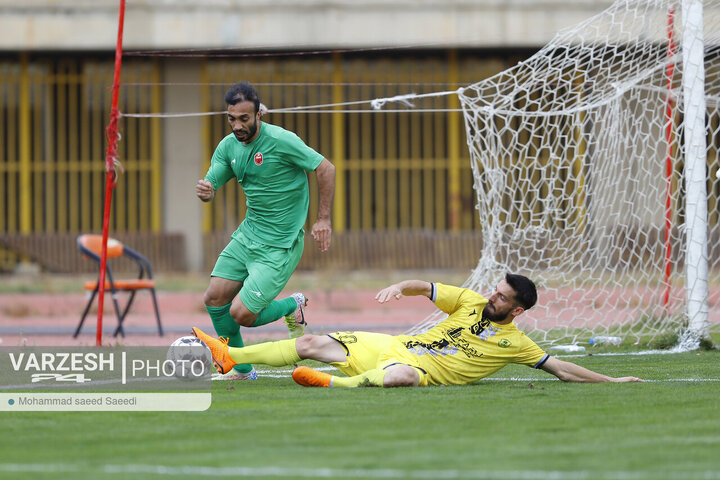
{"x": 407, "y": 288}
{"x": 322, "y": 230}
{"x": 571, "y": 372}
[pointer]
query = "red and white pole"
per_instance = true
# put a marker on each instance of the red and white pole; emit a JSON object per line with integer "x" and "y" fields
{"x": 669, "y": 139}
{"x": 111, "y": 166}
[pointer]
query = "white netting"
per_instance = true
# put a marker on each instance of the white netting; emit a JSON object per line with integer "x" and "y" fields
{"x": 569, "y": 152}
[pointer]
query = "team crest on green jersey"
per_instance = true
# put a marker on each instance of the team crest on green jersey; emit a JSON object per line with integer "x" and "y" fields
{"x": 504, "y": 343}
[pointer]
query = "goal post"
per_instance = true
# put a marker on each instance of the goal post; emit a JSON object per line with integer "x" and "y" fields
{"x": 570, "y": 152}
{"x": 695, "y": 176}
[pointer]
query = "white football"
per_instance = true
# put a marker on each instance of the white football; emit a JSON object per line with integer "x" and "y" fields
{"x": 191, "y": 358}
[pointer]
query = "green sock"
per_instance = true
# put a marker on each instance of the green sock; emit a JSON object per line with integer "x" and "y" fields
{"x": 225, "y": 326}
{"x": 275, "y": 311}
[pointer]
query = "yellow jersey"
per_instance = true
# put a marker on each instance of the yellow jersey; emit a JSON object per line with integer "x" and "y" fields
{"x": 464, "y": 347}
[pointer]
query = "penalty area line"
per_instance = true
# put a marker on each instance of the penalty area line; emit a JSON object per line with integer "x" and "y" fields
{"x": 664, "y": 380}
{"x": 285, "y": 373}
{"x": 373, "y": 473}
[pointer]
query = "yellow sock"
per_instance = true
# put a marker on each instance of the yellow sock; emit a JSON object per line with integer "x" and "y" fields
{"x": 371, "y": 378}
{"x": 275, "y": 354}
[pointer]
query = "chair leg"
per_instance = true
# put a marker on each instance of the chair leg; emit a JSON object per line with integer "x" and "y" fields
{"x": 157, "y": 312}
{"x": 120, "y": 316}
{"x": 84, "y": 314}
{"x": 119, "y": 328}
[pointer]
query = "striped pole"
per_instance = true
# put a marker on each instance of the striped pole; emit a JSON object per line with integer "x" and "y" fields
{"x": 111, "y": 163}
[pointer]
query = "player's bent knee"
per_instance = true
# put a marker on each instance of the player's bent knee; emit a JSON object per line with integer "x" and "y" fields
{"x": 216, "y": 297}
{"x": 241, "y": 315}
{"x": 308, "y": 346}
{"x": 321, "y": 348}
{"x": 212, "y": 299}
{"x": 401, "y": 376}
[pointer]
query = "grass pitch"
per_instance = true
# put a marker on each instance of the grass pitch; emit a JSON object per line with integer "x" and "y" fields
{"x": 519, "y": 424}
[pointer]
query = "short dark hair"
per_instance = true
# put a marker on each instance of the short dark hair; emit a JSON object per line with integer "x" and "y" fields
{"x": 242, "y": 92}
{"x": 525, "y": 291}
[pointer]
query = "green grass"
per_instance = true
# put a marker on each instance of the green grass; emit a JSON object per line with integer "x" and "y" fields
{"x": 534, "y": 427}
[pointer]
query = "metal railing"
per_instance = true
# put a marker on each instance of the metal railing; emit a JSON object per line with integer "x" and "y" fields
{"x": 52, "y": 145}
{"x": 394, "y": 171}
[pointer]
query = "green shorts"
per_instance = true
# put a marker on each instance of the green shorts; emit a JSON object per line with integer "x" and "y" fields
{"x": 263, "y": 270}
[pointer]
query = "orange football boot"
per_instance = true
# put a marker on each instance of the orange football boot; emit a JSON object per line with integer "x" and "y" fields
{"x": 218, "y": 349}
{"x": 307, "y": 377}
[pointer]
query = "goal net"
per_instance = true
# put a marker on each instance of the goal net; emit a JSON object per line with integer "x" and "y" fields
{"x": 579, "y": 164}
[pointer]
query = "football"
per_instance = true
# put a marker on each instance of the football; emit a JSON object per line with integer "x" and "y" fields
{"x": 191, "y": 358}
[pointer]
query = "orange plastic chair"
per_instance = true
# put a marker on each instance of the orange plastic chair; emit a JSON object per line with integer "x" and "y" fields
{"x": 91, "y": 247}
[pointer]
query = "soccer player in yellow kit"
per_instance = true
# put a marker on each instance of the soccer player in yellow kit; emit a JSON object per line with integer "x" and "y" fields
{"x": 478, "y": 338}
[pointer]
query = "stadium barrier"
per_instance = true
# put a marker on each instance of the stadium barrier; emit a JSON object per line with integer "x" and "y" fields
{"x": 404, "y": 249}
{"x": 57, "y": 253}
{"x": 411, "y": 249}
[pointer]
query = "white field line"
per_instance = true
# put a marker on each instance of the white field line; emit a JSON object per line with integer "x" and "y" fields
{"x": 619, "y": 354}
{"x": 287, "y": 372}
{"x": 284, "y": 373}
{"x": 379, "y": 473}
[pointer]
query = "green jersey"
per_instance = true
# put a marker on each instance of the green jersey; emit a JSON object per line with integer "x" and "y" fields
{"x": 272, "y": 172}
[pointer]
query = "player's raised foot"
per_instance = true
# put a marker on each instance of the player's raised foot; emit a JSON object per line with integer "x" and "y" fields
{"x": 307, "y": 377}
{"x": 235, "y": 375}
{"x": 218, "y": 349}
{"x": 296, "y": 321}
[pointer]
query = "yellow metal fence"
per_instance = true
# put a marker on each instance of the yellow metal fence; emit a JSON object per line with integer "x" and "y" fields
{"x": 394, "y": 171}
{"x": 53, "y": 115}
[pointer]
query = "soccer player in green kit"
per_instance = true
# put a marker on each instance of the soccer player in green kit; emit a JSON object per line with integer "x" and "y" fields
{"x": 271, "y": 165}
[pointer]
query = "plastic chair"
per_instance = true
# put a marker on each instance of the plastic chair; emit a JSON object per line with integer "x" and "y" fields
{"x": 91, "y": 247}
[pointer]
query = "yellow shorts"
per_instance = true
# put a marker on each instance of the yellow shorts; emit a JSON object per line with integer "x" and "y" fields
{"x": 366, "y": 351}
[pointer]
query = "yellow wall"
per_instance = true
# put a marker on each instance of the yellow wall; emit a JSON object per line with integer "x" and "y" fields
{"x": 53, "y": 115}
{"x": 393, "y": 170}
